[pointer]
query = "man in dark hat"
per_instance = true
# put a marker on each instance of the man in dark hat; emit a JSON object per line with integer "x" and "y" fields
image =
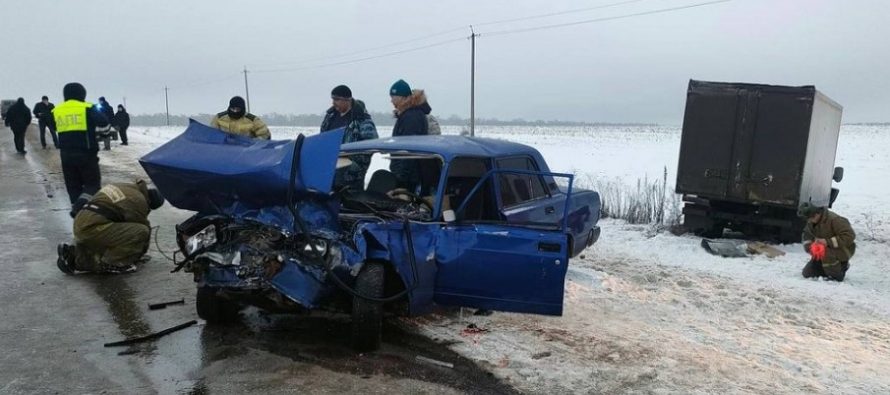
{"x": 18, "y": 117}
{"x": 350, "y": 114}
{"x": 77, "y": 123}
{"x": 43, "y": 110}
{"x": 111, "y": 231}
{"x": 830, "y": 241}
{"x": 236, "y": 120}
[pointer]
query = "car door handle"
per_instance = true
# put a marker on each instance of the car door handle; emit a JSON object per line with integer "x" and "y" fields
{"x": 549, "y": 210}
{"x": 549, "y": 247}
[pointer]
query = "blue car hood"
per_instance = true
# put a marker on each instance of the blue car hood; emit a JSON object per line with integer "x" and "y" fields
{"x": 214, "y": 172}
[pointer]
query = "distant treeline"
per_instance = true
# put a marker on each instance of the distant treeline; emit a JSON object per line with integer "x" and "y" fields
{"x": 380, "y": 118}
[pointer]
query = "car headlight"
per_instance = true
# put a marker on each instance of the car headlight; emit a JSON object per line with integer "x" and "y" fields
{"x": 201, "y": 240}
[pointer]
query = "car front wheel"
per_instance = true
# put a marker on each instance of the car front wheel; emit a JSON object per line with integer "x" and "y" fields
{"x": 367, "y": 315}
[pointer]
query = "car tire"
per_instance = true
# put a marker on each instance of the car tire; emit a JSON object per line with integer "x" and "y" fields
{"x": 367, "y": 315}
{"x": 214, "y": 309}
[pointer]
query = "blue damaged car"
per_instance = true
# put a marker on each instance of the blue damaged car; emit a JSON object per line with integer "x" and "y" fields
{"x": 387, "y": 226}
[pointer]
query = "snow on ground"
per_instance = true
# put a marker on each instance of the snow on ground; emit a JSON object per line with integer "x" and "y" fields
{"x": 649, "y": 312}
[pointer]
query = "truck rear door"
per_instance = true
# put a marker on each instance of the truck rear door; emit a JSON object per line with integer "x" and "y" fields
{"x": 709, "y": 128}
{"x": 778, "y": 146}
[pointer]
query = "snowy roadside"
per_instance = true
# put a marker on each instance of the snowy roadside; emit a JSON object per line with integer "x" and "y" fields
{"x": 658, "y": 314}
{"x": 653, "y": 312}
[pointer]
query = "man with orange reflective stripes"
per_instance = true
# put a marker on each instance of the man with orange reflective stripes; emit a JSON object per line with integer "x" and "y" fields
{"x": 76, "y": 125}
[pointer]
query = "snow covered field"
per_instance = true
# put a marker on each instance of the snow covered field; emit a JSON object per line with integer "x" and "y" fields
{"x": 652, "y": 312}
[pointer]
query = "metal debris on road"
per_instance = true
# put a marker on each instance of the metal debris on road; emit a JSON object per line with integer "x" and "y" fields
{"x": 152, "y": 336}
{"x": 162, "y": 305}
{"x": 448, "y": 365}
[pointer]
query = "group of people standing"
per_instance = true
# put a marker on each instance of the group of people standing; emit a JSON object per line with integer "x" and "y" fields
{"x": 411, "y": 111}
{"x": 18, "y": 118}
{"x": 111, "y": 227}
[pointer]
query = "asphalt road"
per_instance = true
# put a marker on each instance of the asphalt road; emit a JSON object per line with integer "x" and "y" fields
{"x": 53, "y": 326}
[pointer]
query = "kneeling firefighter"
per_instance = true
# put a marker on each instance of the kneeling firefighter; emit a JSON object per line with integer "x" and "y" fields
{"x": 111, "y": 230}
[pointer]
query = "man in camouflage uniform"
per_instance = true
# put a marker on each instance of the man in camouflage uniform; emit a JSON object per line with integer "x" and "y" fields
{"x": 349, "y": 113}
{"x": 236, "y": 120}
{"x": 111, "y": 231}
{"x": 834, "y": 235}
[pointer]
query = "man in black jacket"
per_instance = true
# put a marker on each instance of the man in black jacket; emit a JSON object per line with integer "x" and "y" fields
{"x": 77, "y": 123}
{"x": 18, "y": 117}
{"x": 121, "y": 122}
{"x": 410, "y": 111}
{"x": 43, "y": 110}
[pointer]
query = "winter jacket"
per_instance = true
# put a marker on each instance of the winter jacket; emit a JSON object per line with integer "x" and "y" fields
{"x": 125, "y": 202}
{"x": 18, "y": 116}
{"x": 106, "y": 110}
{"x": 121, "y": 120}
{"x": 44, "y": 112}
{"x": 838, "y": 234}
{"x": 411, "y": 117}
{"x": 359, "y": 127}
{"x": 80, "y": 139}
{"x": 249, "y": 125}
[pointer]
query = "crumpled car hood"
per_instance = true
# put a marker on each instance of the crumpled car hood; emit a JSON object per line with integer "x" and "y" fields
{"x": 214, "y": 172}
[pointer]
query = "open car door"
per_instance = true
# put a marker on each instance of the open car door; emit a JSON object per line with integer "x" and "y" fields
{"x": 499, "y": 265}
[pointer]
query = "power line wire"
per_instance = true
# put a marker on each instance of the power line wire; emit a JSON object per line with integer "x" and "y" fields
{"x": 207, "y": 82}
{"x": 558, "y": 25}
{"x": 436, "y": 44}
{"x": 346, "y": 54}
{"x": 577, "y": 10}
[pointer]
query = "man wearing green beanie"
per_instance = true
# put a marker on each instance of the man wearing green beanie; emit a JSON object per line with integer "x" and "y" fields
{"x": 411, "y": 109}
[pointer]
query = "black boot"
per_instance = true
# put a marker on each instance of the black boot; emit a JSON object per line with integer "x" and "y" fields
{"x": 65, "y": 262}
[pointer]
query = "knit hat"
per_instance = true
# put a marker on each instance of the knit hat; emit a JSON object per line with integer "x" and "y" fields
{"x": 237, "y": 102}
{"x": 400, "y": 88}
{"x": 155, "y": 199}
{"x": 74, "y": 91}
{"x": 808, "y": 210}
{"x": 341, "y": 91}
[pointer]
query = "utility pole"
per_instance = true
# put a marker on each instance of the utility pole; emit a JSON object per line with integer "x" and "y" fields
{"x": 167, "y": 105}
{"x": 246, "y": 90}
{"x": 472, "y": 81}
{"x": 125, "y": 102}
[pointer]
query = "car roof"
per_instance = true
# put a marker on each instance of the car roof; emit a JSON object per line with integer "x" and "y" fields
{"x": 447, "y": 146}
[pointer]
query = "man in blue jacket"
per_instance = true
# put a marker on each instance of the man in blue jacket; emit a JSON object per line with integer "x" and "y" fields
{"x": 349, "y": 113}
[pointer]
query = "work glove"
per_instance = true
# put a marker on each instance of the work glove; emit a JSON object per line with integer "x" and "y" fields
{"x": 817, "y": 251}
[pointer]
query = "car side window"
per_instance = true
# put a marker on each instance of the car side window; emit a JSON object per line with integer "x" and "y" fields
{"x": 463, "y": 175}
{"x": 519, "y": 188}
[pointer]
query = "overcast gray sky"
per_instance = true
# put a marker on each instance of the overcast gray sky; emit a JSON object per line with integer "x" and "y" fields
{"x": 624, "y": 70}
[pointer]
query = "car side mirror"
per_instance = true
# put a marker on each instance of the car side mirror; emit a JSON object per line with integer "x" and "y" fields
{"x": 838, "y": 174}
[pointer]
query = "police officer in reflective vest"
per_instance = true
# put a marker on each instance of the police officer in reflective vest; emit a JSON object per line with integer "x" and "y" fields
{"x": 76, "y": 125}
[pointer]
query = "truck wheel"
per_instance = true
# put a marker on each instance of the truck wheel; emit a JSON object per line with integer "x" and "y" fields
{"x": 367, "y": 316}
{"x": 213, "y": 309}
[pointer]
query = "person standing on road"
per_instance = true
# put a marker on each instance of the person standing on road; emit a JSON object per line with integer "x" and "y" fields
{"x": 112, "y": 230}
{"x": 43, "y": 110}
{"x": 77, "y": 123}
{"x": 121, "y": 122}
{"x": 18, "y": 117}
{"x": 105, "y": 108}
{"x": 236, "y": 120}
{"x": 349, "y": 113}
{"x": 830, "y": 240}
